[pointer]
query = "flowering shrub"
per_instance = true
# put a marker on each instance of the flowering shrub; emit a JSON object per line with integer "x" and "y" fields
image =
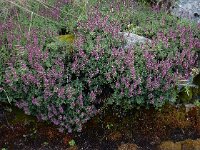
{"x": 46, "y": 89}
{"x": 135, "y": 75}
{"x": 55, "y": 86}
{"x": 69, "y": 89}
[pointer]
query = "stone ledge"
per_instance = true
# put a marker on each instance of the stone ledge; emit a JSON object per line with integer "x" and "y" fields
{"x": 133, "y": 39}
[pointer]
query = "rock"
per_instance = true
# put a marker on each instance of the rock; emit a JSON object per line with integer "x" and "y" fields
{"x": 132, "y": 39}
{"x": 128, "y": 146}
{"x": 189, "y": 107}
{"x": 196, "y": 144}
{"x": 182, "y": 145}
{"x": 191, "y": 145}
{"x": 187, "y": 9}
{"x": 169, "y": 145}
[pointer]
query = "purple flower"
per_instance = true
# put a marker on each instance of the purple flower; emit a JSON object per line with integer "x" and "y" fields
{"x": 53, "y": 109}
{"x": 60, "y": 118}
{"x": 117, "y": 84}
{"x": 61, "y": 92}
{"x": 79, "y": 128}
{"x": 55, "y": 121}
{"x": 43, "y": 117}
{"x": 92, "y": 96}
{"x": 50, "y": 115}
{"x": 27, "y": 111}
{"x": 139, "y": 91}
{"x": 69, "y": 92}
{"x": 61, "y": 109}
{"x": 80, "y": 99}
{"x": 108, "y": 76}
{"x": 35, "y": 101}
{"x": 73, "y": 104}
{"x": 1, "y": 89}
{"x": 69, "y": 130}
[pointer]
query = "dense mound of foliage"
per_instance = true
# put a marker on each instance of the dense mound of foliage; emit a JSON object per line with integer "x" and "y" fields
{"x": 68, "y": 83}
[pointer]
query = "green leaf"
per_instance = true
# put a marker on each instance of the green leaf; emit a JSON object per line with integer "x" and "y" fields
{"x": 8, "y": 98}
{"x": 48, "y": 63}
{"x": 110, "y": 101}
{"x": 72, "y": 143}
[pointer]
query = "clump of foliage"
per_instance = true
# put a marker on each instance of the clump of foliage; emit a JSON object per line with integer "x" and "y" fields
{"x": 148, "y": 23}
{"x": 47, "y": 81}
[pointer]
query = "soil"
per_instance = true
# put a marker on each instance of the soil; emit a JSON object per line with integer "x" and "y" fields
{"x": 147, "y": 128}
